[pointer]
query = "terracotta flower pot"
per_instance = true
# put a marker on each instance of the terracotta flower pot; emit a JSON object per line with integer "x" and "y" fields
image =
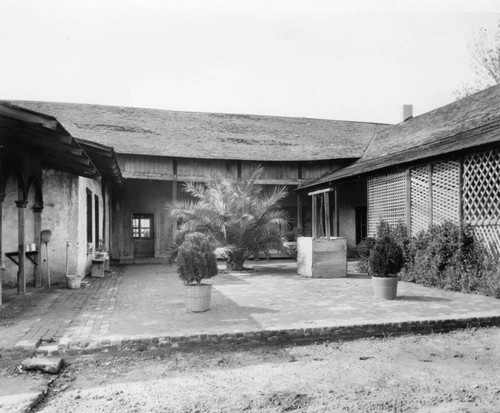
{"x": 198, "y": 297}
{"x": 385, "y": 287}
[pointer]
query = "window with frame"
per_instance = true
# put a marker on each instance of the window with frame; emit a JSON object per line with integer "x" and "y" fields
{"x": 142, "y": 226}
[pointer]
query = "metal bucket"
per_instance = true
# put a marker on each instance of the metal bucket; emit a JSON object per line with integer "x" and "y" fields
{"x": 73, "y": 281}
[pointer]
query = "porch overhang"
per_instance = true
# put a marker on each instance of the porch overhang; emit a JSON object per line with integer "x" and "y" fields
{"x": 45, "y": 138}
{"x": 480, "y": 137}
{"x": 104, "y": 158}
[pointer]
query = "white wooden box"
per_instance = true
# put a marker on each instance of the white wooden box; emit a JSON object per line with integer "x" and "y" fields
{"x": 322, "y": 257}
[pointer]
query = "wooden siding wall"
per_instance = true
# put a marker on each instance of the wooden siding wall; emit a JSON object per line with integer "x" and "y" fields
{"x": 140, "y": 196}
{"x": 151, "y": 182}
{"x": 146, "y": 167}
{"x": 185, "y": 169}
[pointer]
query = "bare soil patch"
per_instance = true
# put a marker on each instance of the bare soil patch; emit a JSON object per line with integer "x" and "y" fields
{"x": 457, "y": 372}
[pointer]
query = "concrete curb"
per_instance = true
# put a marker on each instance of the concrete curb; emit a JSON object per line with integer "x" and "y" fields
{"x": 68, "y": 347}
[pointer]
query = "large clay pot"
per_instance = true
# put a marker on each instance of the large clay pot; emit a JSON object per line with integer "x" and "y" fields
{"x": 198, "y": 297}
{"x": 385, "y": 287}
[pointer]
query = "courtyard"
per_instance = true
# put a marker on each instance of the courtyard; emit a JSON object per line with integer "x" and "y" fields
{"x": 142, "y": 307}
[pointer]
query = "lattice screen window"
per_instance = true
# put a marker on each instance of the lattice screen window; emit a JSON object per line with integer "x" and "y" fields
{"x": 446, "y": 192}
{"x": 386, "y": 200}
{"x": 419, "y": 199}
{"x": 481, "y": 196}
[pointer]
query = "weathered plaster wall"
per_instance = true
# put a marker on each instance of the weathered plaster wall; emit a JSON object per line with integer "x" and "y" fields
{"x": 107, "y": 227}
{"x": 350, "y": 196}
{"x": 65, "y": 215}
{"x": 60, "y": 215}
{"x": 10, "y": 231}
{"x": 85, "y": 255}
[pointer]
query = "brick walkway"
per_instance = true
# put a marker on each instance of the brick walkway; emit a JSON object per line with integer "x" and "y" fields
{"x": 144, "y": 304}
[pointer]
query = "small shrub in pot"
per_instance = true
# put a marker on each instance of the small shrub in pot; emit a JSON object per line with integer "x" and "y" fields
{"x": 196, "y": 259}
{"x": 385, "y": 262}
{"x": 386, "y": 258}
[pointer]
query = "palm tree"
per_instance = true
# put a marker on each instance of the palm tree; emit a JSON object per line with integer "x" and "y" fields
{"x": 236, "y": 215}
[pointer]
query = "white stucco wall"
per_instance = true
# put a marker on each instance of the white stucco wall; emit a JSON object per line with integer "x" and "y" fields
{"x": 10, "y": 231}
{"x": 84, "y": 256}
{"x": 60, "y": 216}
{"x": 64, "y": 214}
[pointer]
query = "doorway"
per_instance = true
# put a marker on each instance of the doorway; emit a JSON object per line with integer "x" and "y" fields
{"x": 143, "y": 235}
{"x": 361, "y": 223}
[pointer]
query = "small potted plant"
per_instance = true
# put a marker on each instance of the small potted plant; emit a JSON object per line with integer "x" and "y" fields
{"x": 195, "y": 262}
{"x": 385, "y": 262}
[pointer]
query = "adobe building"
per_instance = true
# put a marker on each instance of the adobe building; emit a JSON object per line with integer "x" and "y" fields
{"x": 50, "y": 181}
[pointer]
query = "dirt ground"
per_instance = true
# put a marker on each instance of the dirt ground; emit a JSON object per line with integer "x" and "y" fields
{"x": 456, "y": 372}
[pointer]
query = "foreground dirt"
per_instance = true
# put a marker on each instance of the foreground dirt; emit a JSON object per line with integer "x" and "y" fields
{"x": 457, "y": 372}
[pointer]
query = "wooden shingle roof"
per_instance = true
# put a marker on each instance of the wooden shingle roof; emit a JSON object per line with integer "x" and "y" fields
{"x": 211, "y": 135}
{"x": 467, "y": 123}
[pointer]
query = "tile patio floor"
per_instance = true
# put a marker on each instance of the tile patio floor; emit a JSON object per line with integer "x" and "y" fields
{"x": 147, "y": 301}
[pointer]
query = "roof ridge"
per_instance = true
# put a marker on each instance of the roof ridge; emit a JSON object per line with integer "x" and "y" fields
{"x": 195, "y": 112}
{"x": 444, "y": 107}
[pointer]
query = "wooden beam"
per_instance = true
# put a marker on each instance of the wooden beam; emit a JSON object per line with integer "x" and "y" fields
{"x": 21, "y": 241}
{"x": 38, "y": 229}
{"x": 337, "y": 226}
{"x": 429, "y": 177}
{"x": 27, "y": 116}
{"x": 408, "y": 202}
{"x": 320, "y": 191}
{"x": 48, "y": 143}
{"x": 326, "y": 196}
{"x": 1, "y": 251}
{"x": 314, "y": 221}
{"x": 460, "y": 185}
{"x": 299, "y": 213}
{"x": 174, "y": 197}
{"x": 37, "y": 132}
{"x": 57, "y": 157}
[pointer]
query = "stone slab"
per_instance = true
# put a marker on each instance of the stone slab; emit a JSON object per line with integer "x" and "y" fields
{"x": 48, "y": 365}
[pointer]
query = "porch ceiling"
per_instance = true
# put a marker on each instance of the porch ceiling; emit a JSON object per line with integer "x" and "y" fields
{"x": 46, "y": 138}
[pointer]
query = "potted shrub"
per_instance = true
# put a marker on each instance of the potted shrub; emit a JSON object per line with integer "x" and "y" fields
{"x": 196, "y": 262}
{"x": 385, "y": 262}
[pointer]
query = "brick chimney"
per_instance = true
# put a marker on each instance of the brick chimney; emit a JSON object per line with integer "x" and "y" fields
{"x": 407, "y": 112}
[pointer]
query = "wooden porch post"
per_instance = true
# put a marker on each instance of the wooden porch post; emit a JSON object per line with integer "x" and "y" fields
{"x": 460, "y": 190}
{"x": 299, "y": 213}
{"x": 326, "y": 197}
{"x": 429, "y": 174}
{"x": 408, "y": 202}
{"x": 21, "y": 240}
{"x": 2, "y": 197}
{"x": 38, "y": 229}
{"x": 336, "y": 216}
{"x": 314, "y": 224}
{"x": 174, "y": 196}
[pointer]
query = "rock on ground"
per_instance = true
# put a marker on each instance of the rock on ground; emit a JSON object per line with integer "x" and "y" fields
{"x": 48, "y": 365}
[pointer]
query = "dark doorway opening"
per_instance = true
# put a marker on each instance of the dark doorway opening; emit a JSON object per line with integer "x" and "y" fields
{"x": 361, "y": 223}
{"x": 143, "y": 235}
